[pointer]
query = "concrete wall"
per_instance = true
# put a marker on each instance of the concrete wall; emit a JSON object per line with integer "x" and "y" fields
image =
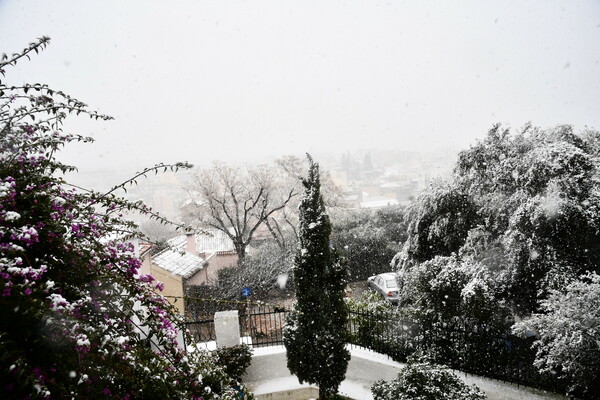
{"x": 217, "y": 263}
{"x": 146, "y": 267}
{"x": 173, "y": 286}
{"x": 210, "y": 273}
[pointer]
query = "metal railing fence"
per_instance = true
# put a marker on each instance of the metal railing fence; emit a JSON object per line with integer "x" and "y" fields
{"x": 263, "y": 324}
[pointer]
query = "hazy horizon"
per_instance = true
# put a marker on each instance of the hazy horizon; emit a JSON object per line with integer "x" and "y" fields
{"x": 248, "y": 81}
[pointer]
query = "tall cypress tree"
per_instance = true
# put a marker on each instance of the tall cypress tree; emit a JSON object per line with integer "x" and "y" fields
{"x": 315, "y": 334}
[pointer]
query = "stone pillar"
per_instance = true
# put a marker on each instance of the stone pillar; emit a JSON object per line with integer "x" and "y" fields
{"x": 227, "y": 328}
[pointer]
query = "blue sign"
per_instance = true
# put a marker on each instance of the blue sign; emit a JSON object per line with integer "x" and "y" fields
{"x": 246, "y": 292}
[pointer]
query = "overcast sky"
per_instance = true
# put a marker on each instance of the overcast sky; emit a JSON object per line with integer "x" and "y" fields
{"x": 237, "y": 80}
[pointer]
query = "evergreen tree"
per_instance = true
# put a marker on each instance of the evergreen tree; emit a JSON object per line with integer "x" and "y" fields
{"x": 315, "y": 332}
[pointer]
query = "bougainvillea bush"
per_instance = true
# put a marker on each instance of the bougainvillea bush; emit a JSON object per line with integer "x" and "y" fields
{"x": 77, "y": 319}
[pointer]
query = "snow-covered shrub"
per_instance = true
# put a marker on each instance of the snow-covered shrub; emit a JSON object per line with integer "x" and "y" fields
{"x": 369, "y": 301}
{"x": 462, "y": 319}
{"x": 77, "y": 319}
{"x": 568, "y": 330}
{"x": 425, "y": 381}
{"x": 454, "y": 291}
{"x": 267, "y": 270}
{"x": 235, "y": 360}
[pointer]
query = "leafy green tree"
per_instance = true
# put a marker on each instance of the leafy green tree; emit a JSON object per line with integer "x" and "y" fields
{"x": 77, "y": 319}
{"x": 315, "y": 334}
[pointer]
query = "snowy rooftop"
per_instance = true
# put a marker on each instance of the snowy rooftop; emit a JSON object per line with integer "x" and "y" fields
{"x": 392, "y": 185}
{"x": 179, "y": 263}
{"x": 215, "y": 241}
{"x": 378, "y": 202}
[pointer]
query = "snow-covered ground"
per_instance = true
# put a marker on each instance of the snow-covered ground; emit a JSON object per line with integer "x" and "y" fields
{"x": 290, "y": 388}
{"x": 269, "y": 374}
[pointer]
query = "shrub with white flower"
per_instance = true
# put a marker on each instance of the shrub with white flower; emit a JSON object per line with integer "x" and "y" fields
{"x": 77, "y": 320}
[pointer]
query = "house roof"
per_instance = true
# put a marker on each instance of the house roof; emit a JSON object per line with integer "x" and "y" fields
{"x": 215, "y": 241}
{"x": 145, "y": 248}
{"x": 179, "y": 263}
{"x": 378, "y": 202}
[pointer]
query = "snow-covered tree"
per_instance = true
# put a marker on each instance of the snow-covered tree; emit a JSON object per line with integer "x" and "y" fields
{"x": 524, "y": 204}
{"x": 77, "y": 319}
{"x": 568, "y": 330}
{"x": 438, "y": 224}
{"x": 368, "y": 239}
{"x": 238, "y": 201}
{"x": 267, "y": 268}
{"x": 538, "y": 194}
{"x": 315, "y": 333}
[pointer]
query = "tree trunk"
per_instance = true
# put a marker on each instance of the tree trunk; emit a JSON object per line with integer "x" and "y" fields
{"x": 240, "y": 249}
{"x": 324, "y": 394}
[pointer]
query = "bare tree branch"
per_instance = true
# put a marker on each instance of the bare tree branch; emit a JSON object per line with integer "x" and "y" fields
{"x": 238, "y": 201}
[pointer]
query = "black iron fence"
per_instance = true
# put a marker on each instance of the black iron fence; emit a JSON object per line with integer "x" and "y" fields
{"x": 202, "y": 330}
{"x": 263, "y": 324}
{"x": 478, "y": 350}
{"x": 384, "y": 333}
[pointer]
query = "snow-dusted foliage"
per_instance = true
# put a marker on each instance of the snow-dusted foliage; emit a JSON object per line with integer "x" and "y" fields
{"x": 77, "y": 319}
{"x": 523, "y": 223}
{"x": 537, "y": 192}
{"x": 425, "y": 381}
{"x": 525, "y": 205}
{"x": 569, "y": 335}
{"x": 266, "y": 269}
{"x": 315, "y": 332}
{"x": 452, "y": 291}
{"x": 368, "y": 239}
{"x": 438, "y": 223}
{"x": 456, "y": 302}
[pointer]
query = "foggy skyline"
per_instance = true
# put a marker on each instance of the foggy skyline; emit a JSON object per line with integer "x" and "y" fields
{"x": 242, "y": 81}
